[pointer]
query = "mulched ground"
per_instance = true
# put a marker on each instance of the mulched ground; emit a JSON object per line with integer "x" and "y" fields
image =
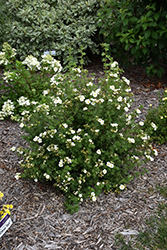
{"x": 40, "y": 220}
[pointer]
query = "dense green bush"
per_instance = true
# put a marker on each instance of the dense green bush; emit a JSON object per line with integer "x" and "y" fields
{"x": 82, "y": 137}
{"x": 36, "y": 26}
{"x": 136, "y": 30}
{"x": 3, "y": 19}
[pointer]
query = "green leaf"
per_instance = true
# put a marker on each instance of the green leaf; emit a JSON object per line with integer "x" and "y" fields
{"x": 156, "y": 16}
{"x": 147, "y": 34}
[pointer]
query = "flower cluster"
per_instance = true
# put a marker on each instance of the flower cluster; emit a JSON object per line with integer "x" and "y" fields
{"x": 5, "y": 209}
{"x": 7, "y": 109}
{"x": 32, "y": 63}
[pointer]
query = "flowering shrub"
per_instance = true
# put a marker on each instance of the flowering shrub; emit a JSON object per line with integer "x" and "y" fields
{"x": 83, "y": 138}
{"x": 157, "y": 118}
{"x": 5, "y": 209}
{"x": 23, "y": 82}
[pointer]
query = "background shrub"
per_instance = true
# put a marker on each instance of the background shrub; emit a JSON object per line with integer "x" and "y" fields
{"x": 136, "y": 29}
{"x": 36, "y": 26}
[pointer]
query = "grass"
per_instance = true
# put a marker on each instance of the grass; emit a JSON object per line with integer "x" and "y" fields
{"x": 155, "y": 236}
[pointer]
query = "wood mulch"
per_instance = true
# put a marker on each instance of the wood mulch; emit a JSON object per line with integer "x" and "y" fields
{"x": 40, "y": 220}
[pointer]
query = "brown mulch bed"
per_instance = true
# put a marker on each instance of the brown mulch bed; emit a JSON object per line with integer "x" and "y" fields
{"x": 40, "y": 220}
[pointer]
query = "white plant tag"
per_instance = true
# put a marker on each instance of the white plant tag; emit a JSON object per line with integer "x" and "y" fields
{"x": 5, "y": 223}
{"x": 48, "y": 52}
{"x": 53, "y": 52}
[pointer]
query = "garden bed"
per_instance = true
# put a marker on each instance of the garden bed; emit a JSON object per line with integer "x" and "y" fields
{"x": 40, "y": 220}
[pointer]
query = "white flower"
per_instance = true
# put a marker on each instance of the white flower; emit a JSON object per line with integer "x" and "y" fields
{"x": 129, "y": 117}
{"x": 98, "y": 152}
{"x": 104, "y": 171}
{"x": 126, "y": 109}
{"x": 87, "y": 101}
{"x": 81, "y": 97}
{"x": 114, "y": 124}
{"x": 119, "y": 99}
{"x": 36, "y": 138}
{"x": 56, "y": 147}
{"x": 96, "y": 130}
{"x": 131, "y": 140}
{"x": 47, "y": 176}
{"x": 112, "y": 87}
{"x": 101, "y": 121}
{"x": 85, "y": 171}
{"x": 21, "y": 125}
{"x": 153, "y": 126}
{"x": 65, "y": 125}
{"x": 113, "y": 75}
{"x": 155, "y": 152}
{"x": 128, "y": 90}
{"x": 126, "y": 80}
{"x": 141, "y": 123}
{"x": 114, "y": 64}
{"x": 138, "y": 111}
{"x": 90, "y": 140}
{"x": 13, "y": 149}
{"x": 85, "y": 108}
{"x": 80, "y": 195}
{"x": 79, "y": 181}
{"x": 94, "y": 198}
{"x": 98, "y": 183}
{"x": 135, "y": 157}
{"x": 121, "y": 187}
{"x": 110, "y": 165}
{"x": 89, "y": 84}
{"x": 93, "y": 194}
{"x": 76, "y": 137}
{"x": 149, "y": 157}
{"x": 110, "y": 100}
{"x": 94, "y": 93}
{"x": 57, "y": 100}
{"x": 72, "y": 131}
{"x": 36, "y": 180}
{"x": 72, "y": 144}
{"x": 61, "y": 163}
{"x": 45, "y": 92}
{"x": 121, "y": 135}
{"x": 17, "y": 176}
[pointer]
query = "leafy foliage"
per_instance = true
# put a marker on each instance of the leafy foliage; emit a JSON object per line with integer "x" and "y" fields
{"x": 158, "y": 116}
{"x": 136, "y": 29}
{"x": 36, "y": 26}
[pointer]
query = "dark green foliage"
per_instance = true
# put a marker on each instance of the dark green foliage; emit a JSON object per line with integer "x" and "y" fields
{"x": 36, "y": 26}
{"x": 138, "y": 30}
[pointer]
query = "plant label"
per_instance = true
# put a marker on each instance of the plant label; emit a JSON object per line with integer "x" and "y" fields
{"x": 5, "y": 223}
